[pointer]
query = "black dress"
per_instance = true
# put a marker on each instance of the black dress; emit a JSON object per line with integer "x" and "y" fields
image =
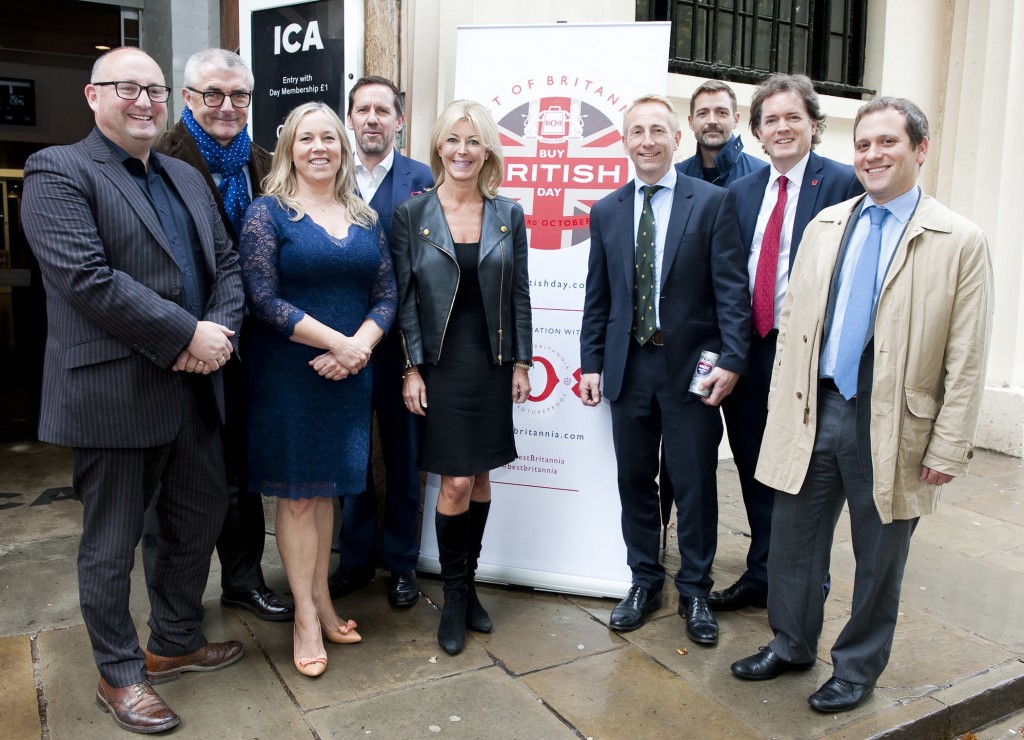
{"x": 469, "y": 397}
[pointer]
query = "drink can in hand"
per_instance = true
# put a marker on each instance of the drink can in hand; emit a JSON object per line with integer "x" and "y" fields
{"x": 706, "y": 363}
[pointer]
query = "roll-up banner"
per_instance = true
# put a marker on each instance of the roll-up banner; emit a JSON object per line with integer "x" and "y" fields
{"x": 558, "y": 93}
{"x": 298, "y": 52}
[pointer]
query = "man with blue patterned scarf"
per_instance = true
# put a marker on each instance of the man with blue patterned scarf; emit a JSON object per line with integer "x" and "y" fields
{"x": 213, "y": 137}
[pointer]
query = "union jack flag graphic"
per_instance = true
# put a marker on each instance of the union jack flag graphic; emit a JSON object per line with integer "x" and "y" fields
{"x": 561, "y": 156}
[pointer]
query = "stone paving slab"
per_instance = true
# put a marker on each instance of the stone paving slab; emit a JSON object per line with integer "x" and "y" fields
{"x": 243, "y": 700}
{"x": 981, "y": 596}
{"x": 927, "y": 653}
{"x": 19, "y": 706}
{"x": 1007, "y": 728}
{"x": 397, "y": 649}
{"x": 958, "y": 660}
{"x": 623, "y": 694}
{"x": 534, "y": 630}
{"x": 475, "y": 704}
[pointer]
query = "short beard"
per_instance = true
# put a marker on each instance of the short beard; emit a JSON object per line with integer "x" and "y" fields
{"x": 373, "y": 147}
{"x": 705, "y": 142}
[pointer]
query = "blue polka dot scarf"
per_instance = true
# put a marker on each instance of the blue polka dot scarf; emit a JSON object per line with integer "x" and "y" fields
{"x": 229, "y": 163}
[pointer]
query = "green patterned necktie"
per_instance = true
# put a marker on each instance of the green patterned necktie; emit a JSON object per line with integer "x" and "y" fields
{"x": 643, "y": 284}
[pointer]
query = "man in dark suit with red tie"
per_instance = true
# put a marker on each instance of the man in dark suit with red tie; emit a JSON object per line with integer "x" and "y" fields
{"x": 143, "y": 300}
{"x": 774, "y": 205}
{"x": 385, "y": 179}
{"x": 666, "y": 282}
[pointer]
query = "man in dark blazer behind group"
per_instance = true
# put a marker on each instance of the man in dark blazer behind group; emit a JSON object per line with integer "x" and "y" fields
{"x": 143, "y": 297}
{"x": 666, "y": 282}
{"x": 212, "y": 136}
{"x": 775, "y": 205}
{"x": 385, "y": 179}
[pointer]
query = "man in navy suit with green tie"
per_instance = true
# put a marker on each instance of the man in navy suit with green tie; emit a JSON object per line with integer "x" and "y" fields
{"x": 665, "y": 283}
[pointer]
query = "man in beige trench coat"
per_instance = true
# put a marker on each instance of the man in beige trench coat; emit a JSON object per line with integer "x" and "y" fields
{"x": 874, "y": 399}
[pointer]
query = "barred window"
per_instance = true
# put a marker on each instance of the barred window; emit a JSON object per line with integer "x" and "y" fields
{"x": 745, "y": 40}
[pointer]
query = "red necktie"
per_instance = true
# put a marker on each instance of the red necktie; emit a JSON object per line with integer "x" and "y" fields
{"x": 768, "y": 265}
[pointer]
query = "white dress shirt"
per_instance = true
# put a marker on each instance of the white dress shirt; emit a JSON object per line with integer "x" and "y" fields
{"x": 661, "y": 203}
{"x": 368, "y": 181}
{"x": 771, "y": 195}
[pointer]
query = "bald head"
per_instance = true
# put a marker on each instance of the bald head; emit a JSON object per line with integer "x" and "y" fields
{"x": 131, "y": 124}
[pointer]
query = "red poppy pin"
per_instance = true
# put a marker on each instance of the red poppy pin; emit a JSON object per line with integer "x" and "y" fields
{"x": 814, "y": 182}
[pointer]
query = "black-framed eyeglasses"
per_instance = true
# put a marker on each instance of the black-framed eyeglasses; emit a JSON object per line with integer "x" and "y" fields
{"x": 132, "y": 91}
{"x": 215, "y": 98}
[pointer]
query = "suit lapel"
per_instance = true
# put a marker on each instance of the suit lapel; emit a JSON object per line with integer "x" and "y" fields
{"x": 492, "y": 229}
{"x": 198, "y": 210}
{"x": 807, "y": 205}
{"x": 682, "y": 206}
{"x": 401, "y": 183}
{"x": 748, "y": 206}
{"x": 434, "y": 229}
{"x": 624, "y": 236}
{"x": 115, "y": 171}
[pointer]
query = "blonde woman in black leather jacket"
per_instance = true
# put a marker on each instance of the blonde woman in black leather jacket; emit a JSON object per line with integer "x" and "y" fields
{"x": 460, "y": 258}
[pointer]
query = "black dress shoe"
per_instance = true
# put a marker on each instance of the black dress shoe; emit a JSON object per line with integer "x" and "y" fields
{"x": 345, "y": 580}
{"x": 738, "y": 596}
{"x": 838, "y": 695}
{"x": 765, "y": 665}
{"x": 403, "y": 590}
{"x": 700, "y": 622}
{"x": 632, "y": 610}
{"x": 262, "y": 602}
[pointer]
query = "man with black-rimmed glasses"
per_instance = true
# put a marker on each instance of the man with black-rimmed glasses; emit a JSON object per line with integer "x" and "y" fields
{"x": 143, "y": 303}
{"x": 213, "y": 137}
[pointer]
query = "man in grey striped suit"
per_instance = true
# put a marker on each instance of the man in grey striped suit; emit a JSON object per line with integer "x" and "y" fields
{"x": 143, "y": 299}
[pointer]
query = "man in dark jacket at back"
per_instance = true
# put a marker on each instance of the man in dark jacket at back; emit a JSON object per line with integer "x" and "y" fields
{"x": 720, "y": 158}
{"x": 212, "y": 137}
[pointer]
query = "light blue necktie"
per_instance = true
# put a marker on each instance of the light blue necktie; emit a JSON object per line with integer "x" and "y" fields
{"x": 859, "y": 307}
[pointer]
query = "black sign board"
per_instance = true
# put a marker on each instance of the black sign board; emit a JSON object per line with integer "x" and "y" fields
{"x": 17, "y": 102}
{"x": 297, "y": 56}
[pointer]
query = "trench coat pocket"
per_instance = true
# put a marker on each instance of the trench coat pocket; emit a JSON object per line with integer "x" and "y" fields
{"x": 918, "y": 418}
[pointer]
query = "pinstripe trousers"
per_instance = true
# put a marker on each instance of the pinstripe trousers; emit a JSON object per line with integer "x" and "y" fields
{"x": 803, "y": 527}
{"x": 115, "y": 487}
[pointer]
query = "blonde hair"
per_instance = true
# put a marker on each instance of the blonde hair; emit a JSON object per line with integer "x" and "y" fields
{"x": 281, "y": 182}
{"x": 492, "y": 174}
{"x": 673, "y": 116}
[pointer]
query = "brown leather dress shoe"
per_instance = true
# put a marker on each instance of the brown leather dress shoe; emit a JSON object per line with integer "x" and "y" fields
{"x": 210, "y": 657}
{"x": 136, "y": 708}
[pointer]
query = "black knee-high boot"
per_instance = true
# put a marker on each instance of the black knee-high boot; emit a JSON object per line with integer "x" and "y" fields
{"x": 477, "y": 618}
{"x": 452, "y": 536}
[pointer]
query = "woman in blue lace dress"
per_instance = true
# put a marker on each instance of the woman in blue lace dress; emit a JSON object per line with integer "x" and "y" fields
{"x": 319, "y": 282}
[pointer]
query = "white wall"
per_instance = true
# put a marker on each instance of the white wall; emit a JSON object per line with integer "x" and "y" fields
{"x": 174, "y": 30}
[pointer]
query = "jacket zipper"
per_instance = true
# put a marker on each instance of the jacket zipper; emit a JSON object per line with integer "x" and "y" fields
{"x": 458, "y": 279}
{"x": 501, "y": 292}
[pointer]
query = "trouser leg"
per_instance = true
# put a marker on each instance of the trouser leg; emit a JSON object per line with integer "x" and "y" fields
{"x": 190, "y": 511}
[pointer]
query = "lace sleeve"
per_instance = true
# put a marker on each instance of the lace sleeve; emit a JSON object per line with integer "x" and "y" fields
{"x": 258, "y": 254}
{"x": 384, "y": 294}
